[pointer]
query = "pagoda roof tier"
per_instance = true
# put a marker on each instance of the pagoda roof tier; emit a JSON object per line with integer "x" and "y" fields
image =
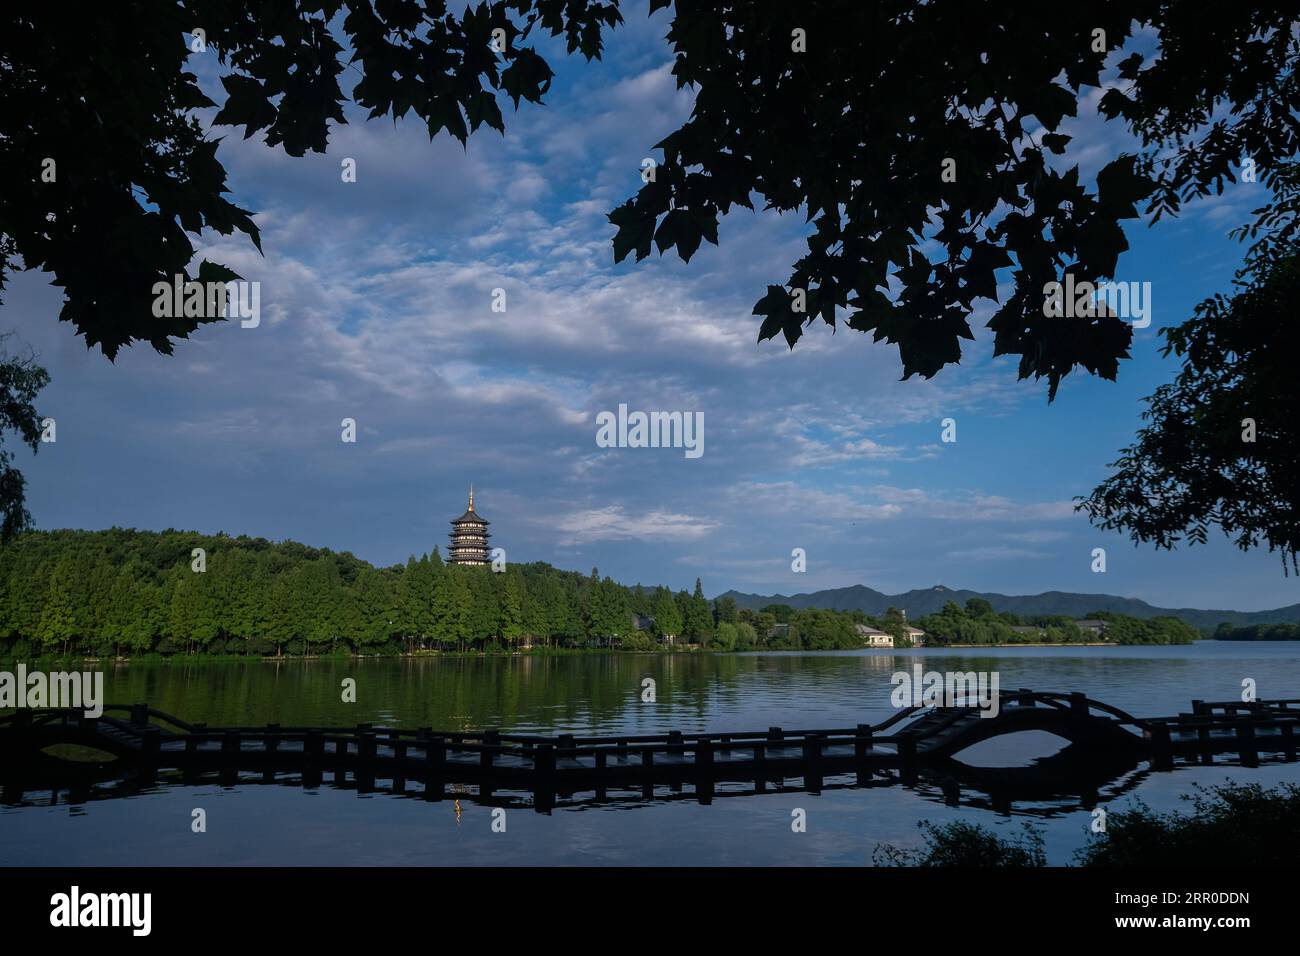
{"x": 471, "y": 517}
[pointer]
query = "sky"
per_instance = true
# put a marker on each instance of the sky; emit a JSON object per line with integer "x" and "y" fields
{"x": 376, "y": 304}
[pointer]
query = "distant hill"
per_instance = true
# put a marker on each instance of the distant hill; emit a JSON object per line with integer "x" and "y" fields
{"x": 923, "y": 601}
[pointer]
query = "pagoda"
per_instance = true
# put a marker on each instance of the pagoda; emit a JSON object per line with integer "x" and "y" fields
{"x": 469, "y": 537}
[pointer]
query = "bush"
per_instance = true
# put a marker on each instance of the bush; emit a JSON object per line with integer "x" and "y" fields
{"x": 638, "y": 642}
{"x": 725, "y": 638}
{"x": 961, "y": 844}
{"x": 1230, "y": 826}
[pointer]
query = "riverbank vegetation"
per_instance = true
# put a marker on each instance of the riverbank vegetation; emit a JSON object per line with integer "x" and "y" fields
{"x": 1230, "y": 825}
{"x": 978, "y": 623}
{"x": 1258, "y": 632}
{"x": 124, "y": 592}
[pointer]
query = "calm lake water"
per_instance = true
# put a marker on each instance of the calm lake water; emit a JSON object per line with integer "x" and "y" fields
{"x": 283, "y": 824}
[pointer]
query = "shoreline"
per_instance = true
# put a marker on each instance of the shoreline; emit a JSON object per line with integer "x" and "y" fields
{"x": 154, "y": 658}
{"x": 1054, "y": 644}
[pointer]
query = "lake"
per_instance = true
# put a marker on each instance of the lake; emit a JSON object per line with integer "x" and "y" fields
{"x": 283, "y": 824}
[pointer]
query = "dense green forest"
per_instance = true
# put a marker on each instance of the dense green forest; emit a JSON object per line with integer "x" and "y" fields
{"x": 978, "y": 623}
{"x": 136, "y": 592}
{"x": 124, "y": 591}
{"x": 1258, "y": 632}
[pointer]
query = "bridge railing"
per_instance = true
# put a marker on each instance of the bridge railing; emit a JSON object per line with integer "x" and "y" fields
{"x": 487, "y": 746}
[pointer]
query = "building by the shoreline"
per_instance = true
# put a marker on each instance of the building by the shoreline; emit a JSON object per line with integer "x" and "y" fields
{"x": 469, "y": 537}
{"x": 873, "y": 637}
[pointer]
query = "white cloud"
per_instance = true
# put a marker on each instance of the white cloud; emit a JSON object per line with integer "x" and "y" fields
{"x": 613, "y": 523}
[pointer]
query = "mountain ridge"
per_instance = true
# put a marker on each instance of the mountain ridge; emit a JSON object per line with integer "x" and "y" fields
{"x": 921, "y": 601}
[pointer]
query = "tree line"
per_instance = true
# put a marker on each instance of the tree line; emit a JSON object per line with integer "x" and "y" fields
{"x": 1257, "y": 632}
{"x": 979, "y": 623}
{"x": 126, "y": 591}
{"x": 123, "y": 591}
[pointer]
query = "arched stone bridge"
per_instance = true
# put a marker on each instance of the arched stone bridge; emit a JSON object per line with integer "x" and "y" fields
{"x": 141, "y": 742}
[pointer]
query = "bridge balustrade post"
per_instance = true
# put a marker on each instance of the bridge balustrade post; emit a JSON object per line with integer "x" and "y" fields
{"x": 366, "y": 749}
{"x": 1288, "y": 742}
{"x": 861, "y": 745}
{"x": 812, "y": 763}
{"x": 139, "y": 715}
{"x": 270, "y": 744}
{"x": 1203, "y": 743}
{"x": 704, "y": 771}
{"x": 491, "y": 740}
{"x": 1162, "y": 756}
{"x": 677, "y": 749}
{"x": 544, "y": 777}
{"x": 1247, "y": 745}
{"x": 487, "y": 757}
{"x": 775, "y": 735}
{"x": 150, "y": 745}
{"x": 907, "y": 758}
{"x": 399, "y": 766}
{"x": 193, "y": 739}
{"x": 190, "y": 762}
{"x": 229, "y": 757}
{"x": 435, "y": 763}
{"x": 1198, "y": 707}
{"x": 600, "y": 769}
{"x": 340, "y": 759}
{"x": 313, "y": 752}
{"x": 1079, "y": 704}
{"x": 647, "y": 773}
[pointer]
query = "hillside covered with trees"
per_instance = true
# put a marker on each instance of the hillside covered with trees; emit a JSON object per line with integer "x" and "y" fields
{"x": 126, "y": 592}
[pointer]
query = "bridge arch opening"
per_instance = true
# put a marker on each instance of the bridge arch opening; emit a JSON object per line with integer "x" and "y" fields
{"x": 78, "y": 753}
{"x": 1020, "y": 748}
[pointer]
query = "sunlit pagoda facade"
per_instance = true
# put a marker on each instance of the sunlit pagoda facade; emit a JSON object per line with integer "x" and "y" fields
{"x": 469, "y": 537}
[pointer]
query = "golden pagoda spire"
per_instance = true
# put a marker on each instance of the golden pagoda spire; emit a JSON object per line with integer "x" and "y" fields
{"x": 471, "y": 497}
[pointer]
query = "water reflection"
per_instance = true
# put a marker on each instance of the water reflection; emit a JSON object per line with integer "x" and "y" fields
{"x": 279, "y": 821}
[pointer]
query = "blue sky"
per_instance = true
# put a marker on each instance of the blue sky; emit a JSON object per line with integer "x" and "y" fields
{"x": 376, "y": 305}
